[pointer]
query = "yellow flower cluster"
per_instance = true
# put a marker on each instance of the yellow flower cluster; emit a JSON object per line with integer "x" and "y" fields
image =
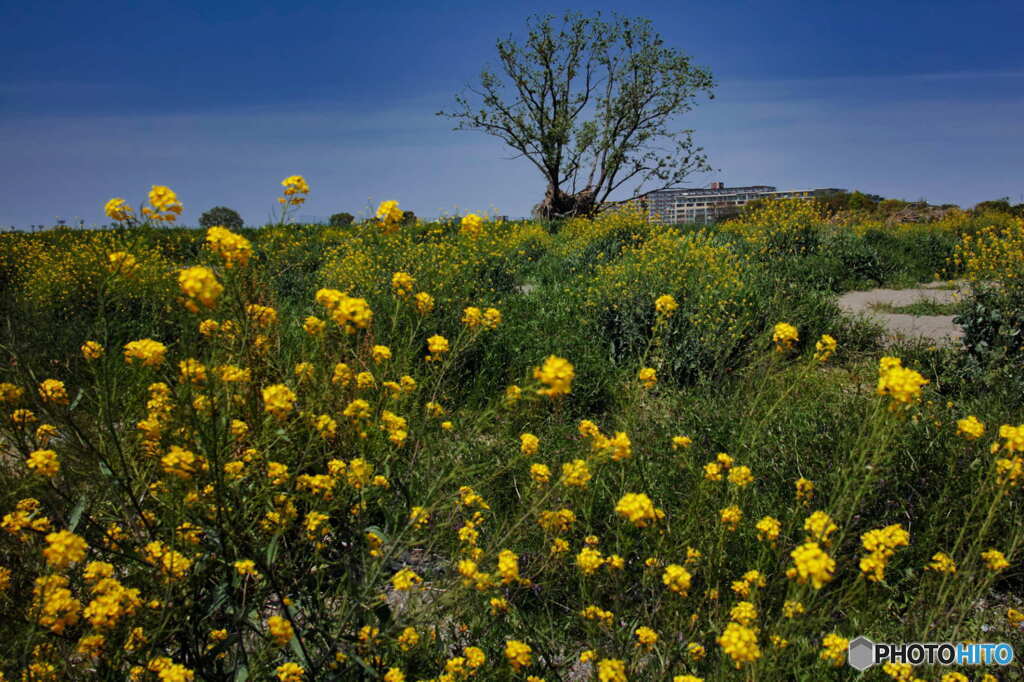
{"x": 784, "y": 335}
{"x": 901, "y": 384}
{"x": 163, "y": 205}
{"x": 295, "y": 190}
{"x": 881, "y": 544}
{"x": 638, "y": 509}
{"x": 233, "y": 248}
{"x": 556, "y": 374}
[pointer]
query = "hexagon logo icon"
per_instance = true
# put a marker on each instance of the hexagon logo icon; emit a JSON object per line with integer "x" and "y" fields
{"x": 861, "y": 653}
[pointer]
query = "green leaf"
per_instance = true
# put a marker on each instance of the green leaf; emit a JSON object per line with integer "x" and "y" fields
{"x": 76, "y": 513}
{"x": 241, "y": 673}
{"x": 272, "y": 548}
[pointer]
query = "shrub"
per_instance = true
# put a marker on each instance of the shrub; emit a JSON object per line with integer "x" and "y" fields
{"x": 341, "y": 219}
{"x": 223, "y": 216}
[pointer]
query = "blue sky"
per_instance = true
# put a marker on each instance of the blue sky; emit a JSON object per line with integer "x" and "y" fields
{"x": 221, "y": 100}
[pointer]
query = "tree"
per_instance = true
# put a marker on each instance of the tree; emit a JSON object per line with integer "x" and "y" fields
{"x": 342, "y": 219}
{"x": 592, "y": 105}
{"x": 222, "y": 216}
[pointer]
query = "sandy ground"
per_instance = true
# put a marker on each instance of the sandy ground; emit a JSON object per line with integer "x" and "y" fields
{"x": 939, "y": 328}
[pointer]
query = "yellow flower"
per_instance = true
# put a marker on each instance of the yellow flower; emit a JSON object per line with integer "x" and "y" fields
{"x": 942, "y": 563}
{"x": 824, "y": 348}
{"x": 901, "y": 384}
{"x": 518, "y": 654}
{"x": 740, "y": 644}
{"x": 713, "y": 471}
{"x": 834, "y": 649}
{"x": 638, "y": 509}
{"x": 91, "y": 350}
{"x": 575, "y": 474}
{"x": 557, "y": 373}
{"x": 471, "y": 225}
{"x": 122, "y": 263}
{"x": 118, "y": 209}
{"x": 784, "y": 335}
{"x": 409, "y": 638}
{"x": 811, "y": 563}
{"x": 233, "y": 248}
{"x": 44, "y": 463}
{"x": 280, "y": 630}
{"x": 380, "y": 354}
{"x": 681, "y": 442}
{"x": 1014, "y": 437}
{"x": 731, "y": 517}
{"x": 199, "y": 284}
{"x": 529, "y": 444}
{"x": 792, "y": 609}
{"x": 295, "y": 189}
{"x": 820, "y": 526}
{"x": 424, "y": 303}
{"x": 970, "y": 428}
{"x": 402, "y": 284}
{"x": 589, "y": 560}
{"x": 540, "y": 473}
{"x": 278, "y": 400}
{"x": 63, "y": 549}
{"x": 147, "y": 351}
{"x": 665, "y": 305}
{"x": 313, "y": 325}
{"x": 611, "y": 670}
{"x": 491, "y": 318}
{"x": 165, "y": 204}
{"x": 995, "y": 560}
{"x": 741, "y": 476}
{"x": 648, "y": 377}
{"x": 646, "y": 637}
{"x": 9, "y": 393}
{"x": 182, "y": 463}
{"x": 246, "y": 567}
{"x": 53, "y": 391}
{"x": 394, "y": 675}
{"x": 508, "y": 566}
{"x": 436, "y": 344}
{"x": 621, "y": 446}
{"x": 804, "y": 490}
{"x": 743, "y": 613}
{"x": 290, "y": 672}
{"x": 696, "y": 651}
{"x": 389, "y": 214}
{"x": 405, "y": 579}
{"x": 677, "y": 579}
{"x": 768, "y": 528}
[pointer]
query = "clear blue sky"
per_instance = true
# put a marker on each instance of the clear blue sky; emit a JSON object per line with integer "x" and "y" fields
{"x": 221, "y": 100}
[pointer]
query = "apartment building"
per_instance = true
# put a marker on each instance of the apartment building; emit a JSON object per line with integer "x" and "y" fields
{"x": 707, "y": 205}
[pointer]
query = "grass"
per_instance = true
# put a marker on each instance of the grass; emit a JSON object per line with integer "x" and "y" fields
{"x": 921, "y": 307}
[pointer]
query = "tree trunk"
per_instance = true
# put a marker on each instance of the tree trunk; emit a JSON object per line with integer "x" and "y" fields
{"x": 559, "y": 204}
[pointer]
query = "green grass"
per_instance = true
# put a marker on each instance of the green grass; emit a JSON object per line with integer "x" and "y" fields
{"x": 922, "y": 307}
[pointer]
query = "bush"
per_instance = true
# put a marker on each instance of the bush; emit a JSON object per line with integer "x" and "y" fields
{"x": 223, "y": 216}
{"x": 341, "y": 219}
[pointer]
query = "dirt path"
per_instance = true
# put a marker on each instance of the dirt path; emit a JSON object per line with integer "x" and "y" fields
{"x": 939, "y": 328}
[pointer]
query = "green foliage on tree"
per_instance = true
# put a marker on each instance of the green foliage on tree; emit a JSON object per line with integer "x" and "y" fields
{"x": 593, "y": 105}
{"x": 222, "y": 216}
{"x": 342, "y": 219}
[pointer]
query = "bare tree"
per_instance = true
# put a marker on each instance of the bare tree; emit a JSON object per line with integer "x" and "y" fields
{"x": 591, "y": 104}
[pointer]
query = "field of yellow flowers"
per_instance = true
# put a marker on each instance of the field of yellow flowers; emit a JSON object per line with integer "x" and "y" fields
{"x": 593, "y": 450}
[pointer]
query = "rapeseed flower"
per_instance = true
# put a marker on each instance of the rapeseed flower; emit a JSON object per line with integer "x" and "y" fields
{"x": 557, "y": 374}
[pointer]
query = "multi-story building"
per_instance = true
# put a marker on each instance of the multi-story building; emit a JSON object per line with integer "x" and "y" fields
{"x": 707, "y": 205}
